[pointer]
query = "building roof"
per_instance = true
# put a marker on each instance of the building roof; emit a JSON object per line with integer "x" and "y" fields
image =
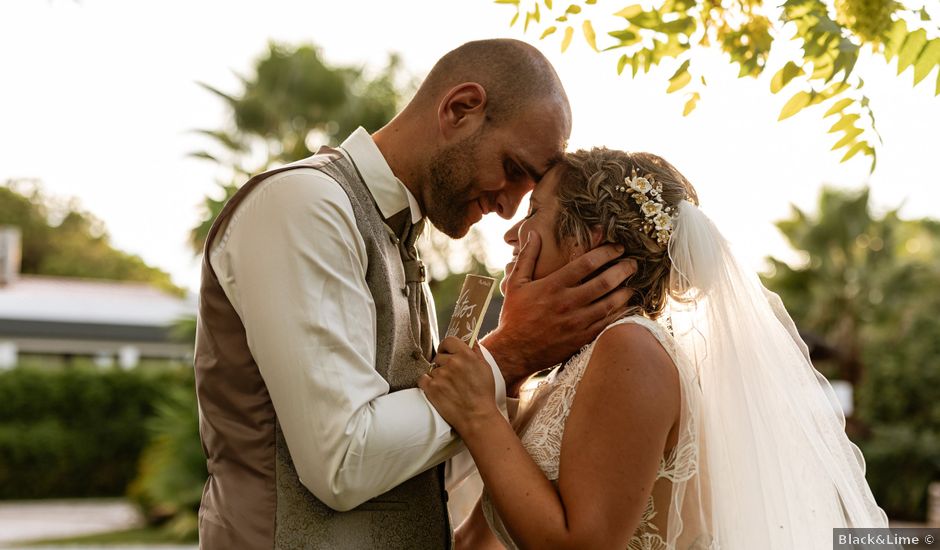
{"x": 71, "y": 300}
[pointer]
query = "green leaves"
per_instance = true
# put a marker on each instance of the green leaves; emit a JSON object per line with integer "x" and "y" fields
{"x": 680, "y": 78}
{"x": 783, "y": 77}
{"x": 913, "y": 45}
{"x": 647, "y": 20}
{"x": 795, "y": 105}
{"x": 913, "y": 49}
{"x": 626, "y": 38}
{"x": 534, "y": 15}
{"x": 838, "y": 107}
{"x": 830, "y": 42}
{"x": 566, "y": 41}
{"x": 589, "y": 34}
{"x": 691, "y": 103}
{"x": 844, "y": 122}
{"x": 928, "y": 59}
{"x": 630, "y": 11}
{"x": 895, "y": 39}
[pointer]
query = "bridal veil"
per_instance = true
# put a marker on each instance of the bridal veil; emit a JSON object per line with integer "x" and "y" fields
{"x": 775, "y": 469}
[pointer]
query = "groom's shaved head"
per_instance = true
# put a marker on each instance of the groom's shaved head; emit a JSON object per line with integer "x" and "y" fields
{"x": 487, "y": 123}
{"x": 513, "y": 73}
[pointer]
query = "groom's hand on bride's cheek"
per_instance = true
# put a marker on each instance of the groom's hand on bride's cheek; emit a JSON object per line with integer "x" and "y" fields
{"x": 545, "y": 321}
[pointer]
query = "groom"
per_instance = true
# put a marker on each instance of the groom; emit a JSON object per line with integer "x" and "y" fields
{"x": 315, "y": 319}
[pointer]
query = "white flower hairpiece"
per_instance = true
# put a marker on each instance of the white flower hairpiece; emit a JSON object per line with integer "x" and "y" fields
{"x": 648, "y": 194}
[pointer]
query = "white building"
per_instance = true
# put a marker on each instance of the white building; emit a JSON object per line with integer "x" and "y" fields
{"x": 106, "y": 320}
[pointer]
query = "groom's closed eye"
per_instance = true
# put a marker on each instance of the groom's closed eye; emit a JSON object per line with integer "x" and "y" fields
{"x": 513, "y": 171}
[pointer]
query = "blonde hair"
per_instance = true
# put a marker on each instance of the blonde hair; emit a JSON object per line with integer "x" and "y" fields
{"x": 588, "y": 201}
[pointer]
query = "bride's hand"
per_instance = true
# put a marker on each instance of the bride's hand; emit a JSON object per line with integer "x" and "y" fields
{"x": 461, "y": 388}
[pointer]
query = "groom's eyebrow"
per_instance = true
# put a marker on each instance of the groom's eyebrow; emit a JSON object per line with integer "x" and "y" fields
{"x": 533, "y": 172}
{"x": 537, "y": 175}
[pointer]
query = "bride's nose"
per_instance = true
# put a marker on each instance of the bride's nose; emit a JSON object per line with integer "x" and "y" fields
{"x": 512, "y": 236}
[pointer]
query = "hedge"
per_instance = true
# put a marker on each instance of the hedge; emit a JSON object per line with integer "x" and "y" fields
{"x": 77, "y": 432}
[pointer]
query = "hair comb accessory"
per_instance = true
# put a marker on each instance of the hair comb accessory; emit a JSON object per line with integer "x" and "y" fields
{"x": 648, "y": 194}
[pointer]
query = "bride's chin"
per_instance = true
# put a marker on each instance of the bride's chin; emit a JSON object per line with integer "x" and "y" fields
{"x": 502, "y": 284}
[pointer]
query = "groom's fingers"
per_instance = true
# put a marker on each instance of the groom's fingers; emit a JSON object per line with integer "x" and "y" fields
{"x": 525, "y": 262}
{"x": 609, "y": 308}
{"x": 605, "y": 282}
{"x": 576, "y": 271}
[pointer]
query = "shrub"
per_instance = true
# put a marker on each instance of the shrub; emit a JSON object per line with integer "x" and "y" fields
{"x": 77, "y": 432}
{"x": 172, "y": 467}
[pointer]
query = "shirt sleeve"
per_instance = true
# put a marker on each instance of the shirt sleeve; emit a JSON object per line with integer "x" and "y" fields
{"x": 293, "y": 264}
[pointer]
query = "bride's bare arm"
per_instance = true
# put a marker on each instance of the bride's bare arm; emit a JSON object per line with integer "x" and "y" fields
{"x": 624, "y": 409}
{"x": 475, "y": 534}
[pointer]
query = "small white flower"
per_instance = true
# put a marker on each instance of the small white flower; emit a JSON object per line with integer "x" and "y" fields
{"x": 651, "y": 208}
{"x": 640, "y": 184}
{"x": 663, "y": 222}
{"x": 663, "y": 236}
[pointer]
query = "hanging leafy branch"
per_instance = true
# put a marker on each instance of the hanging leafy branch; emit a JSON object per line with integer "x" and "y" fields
{"x": 832, "y": 36}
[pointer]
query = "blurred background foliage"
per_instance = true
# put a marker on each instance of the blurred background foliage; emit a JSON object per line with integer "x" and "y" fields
{"x": 61, "y": 239}
{"x": 78, "y": 432}
{"x": 832, "y": 36}
{"x": 172, "y": 468}
{"x": 866, "y": 290}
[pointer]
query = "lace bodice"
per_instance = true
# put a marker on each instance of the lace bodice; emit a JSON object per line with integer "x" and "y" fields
{"x": 542, "y": 437}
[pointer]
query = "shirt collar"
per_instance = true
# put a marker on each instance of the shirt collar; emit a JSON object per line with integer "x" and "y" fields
{"x": 389, "y": 192}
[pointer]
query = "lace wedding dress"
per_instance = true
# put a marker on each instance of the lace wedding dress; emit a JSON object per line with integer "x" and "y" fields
{"x": 542, "y": 437}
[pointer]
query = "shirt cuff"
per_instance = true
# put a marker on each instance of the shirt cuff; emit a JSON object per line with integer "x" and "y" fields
{"x": 500, "y": 383}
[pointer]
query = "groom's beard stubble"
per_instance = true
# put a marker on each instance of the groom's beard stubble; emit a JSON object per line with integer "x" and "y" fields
{"x": 452, "y": 183}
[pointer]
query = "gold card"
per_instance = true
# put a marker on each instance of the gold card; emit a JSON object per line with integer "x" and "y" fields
{"x": 468, "y": 314}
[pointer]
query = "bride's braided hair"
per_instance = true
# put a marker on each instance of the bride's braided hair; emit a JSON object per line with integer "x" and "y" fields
{"x": 588, "y": 197}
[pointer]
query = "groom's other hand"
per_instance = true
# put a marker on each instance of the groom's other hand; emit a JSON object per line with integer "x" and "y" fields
{"x": 545, "y": 321}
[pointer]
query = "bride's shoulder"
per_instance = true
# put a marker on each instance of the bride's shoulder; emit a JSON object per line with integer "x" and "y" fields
{"x": 638, "y": 343}
{"x": 629, "y": 362}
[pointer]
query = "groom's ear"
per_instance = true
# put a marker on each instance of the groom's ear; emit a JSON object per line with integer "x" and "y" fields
{"x": 462, "y": 110}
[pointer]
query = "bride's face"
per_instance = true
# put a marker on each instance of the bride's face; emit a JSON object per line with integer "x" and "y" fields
{"x": 543, "y": 207}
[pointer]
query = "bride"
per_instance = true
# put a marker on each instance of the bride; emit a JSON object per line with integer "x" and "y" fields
{"x": 695, "y": 421}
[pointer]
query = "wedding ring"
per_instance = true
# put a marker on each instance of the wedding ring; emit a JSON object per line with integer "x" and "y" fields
{"x": 432, "y": 367}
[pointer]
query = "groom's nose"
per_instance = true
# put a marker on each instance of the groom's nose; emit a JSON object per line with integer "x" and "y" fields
{"x": 507, "y": 200}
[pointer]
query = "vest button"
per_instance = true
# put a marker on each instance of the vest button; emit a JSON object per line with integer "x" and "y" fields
{"x": 406, "y": 291}
{"x": 416, "y": 355}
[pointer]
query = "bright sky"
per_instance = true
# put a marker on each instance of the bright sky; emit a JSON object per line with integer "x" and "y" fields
{"x": 98, "y": 98}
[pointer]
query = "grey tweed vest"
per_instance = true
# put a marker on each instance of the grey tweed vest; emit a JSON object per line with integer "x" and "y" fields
{"x": 254, "y": 498}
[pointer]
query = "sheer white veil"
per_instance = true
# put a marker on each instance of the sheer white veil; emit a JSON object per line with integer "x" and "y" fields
{"x": 775, "y": 469}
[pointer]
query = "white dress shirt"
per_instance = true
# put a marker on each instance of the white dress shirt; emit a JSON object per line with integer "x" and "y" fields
{"x": 293, "y": 264}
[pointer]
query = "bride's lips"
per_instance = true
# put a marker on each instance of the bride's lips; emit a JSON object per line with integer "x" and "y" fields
{"x": 512, "y": 261}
